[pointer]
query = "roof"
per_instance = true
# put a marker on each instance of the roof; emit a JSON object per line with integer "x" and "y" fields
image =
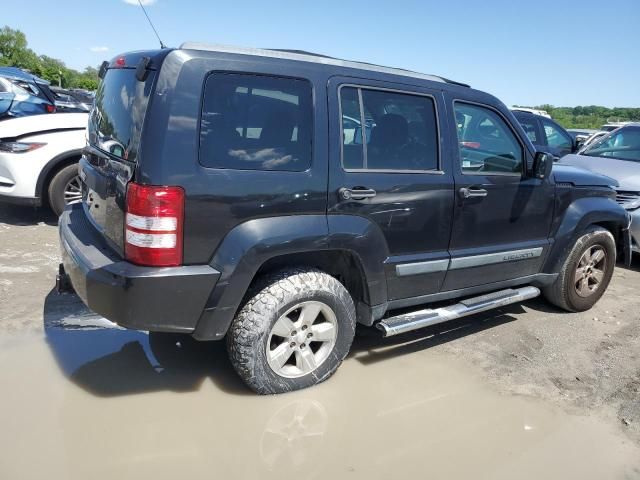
{"x": 303, "y": 56}
{"x": 18, "y": 74}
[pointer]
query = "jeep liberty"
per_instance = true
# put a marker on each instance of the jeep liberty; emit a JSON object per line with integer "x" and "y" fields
{"x": 276, "y": 198}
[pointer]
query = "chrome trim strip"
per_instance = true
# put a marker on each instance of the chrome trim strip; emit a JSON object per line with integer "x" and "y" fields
{"x": 261, "y": 52}
{"x": 491, "y": 258}
{"x": 417, "y": 268}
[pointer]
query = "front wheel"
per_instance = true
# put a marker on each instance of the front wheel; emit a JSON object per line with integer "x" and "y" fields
{"x": 64, "y": 188}
{"x": 586, "y": 273}
{"x": 293, "y": 333}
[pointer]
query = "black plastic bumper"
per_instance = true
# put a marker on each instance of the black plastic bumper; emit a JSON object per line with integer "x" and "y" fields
{"x": 167, "y": 299}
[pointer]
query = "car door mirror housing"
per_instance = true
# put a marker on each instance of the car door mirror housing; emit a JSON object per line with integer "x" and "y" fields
{"x": 542, "y": 165}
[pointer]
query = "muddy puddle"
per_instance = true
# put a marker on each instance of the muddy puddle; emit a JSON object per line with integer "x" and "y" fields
{"x": 95, "y": 403}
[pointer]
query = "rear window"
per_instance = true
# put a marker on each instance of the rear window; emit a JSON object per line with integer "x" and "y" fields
{"x": 255, "y": 122}
{"x": 120, "y": 107}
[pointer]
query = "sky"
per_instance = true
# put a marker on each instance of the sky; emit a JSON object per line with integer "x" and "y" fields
{"x": 526, "y": 52}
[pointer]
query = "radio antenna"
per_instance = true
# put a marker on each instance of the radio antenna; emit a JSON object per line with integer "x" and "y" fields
{"x": 162, "y": 45}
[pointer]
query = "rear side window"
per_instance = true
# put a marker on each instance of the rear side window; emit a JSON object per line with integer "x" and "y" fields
{"x": 255, "y": 122}
{"x": 384, "y": 130}
{"x": 487, "y": 144}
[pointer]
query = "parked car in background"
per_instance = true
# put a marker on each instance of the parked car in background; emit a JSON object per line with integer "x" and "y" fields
{"x": 611, "y": 126}
{"x": 580, "y": 135}
{"x": 72, "y": 100}
{"x": 546, "y": 134}
{"x": 542, "y": 113}
{"x": 593, "y": 138}
{"x": 286, "y": 221}
{"x": 617, "y": 155}
{"x": 23, "y": 94}
{"x": 39, "y": 159}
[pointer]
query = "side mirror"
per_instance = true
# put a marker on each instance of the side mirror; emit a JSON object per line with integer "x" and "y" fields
{"x": 542, "y": 165}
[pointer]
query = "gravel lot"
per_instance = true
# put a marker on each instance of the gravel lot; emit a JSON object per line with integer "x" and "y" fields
{"x": 581, "y": 370}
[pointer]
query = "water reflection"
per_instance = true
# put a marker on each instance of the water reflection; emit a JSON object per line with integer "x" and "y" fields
{"x": 110, "y": 406}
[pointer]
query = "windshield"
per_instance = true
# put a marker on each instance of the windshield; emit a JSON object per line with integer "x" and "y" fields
{"x": 623, "y": 143}
{"x": 120, "y": 107}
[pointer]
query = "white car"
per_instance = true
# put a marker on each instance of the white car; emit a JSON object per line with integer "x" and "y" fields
{"x": 39, "y": 159}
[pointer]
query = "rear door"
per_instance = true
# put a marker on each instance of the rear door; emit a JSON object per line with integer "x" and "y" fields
{"x": 387, "y": 165}
{"x": 502, "y": 216}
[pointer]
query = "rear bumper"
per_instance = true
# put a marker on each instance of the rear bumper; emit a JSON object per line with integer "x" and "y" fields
{"x": 166, "y": 299}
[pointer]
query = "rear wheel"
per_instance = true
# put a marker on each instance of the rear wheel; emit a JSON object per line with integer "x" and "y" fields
{"x": 64, "y": 188}
{"x": 293, "y": 333}
{"x": 586, "y": 272}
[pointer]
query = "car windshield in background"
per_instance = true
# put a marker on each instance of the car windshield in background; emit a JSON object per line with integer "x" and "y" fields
{"x": 120, "y": 106}
{"x": 623, "y": 144}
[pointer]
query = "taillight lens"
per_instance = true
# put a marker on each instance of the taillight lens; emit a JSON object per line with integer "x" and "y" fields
{"x": 50, "y": 108}
{"x": 153, "y": 225}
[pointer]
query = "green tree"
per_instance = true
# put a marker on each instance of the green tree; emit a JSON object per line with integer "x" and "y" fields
{"x": 14, "y": 52}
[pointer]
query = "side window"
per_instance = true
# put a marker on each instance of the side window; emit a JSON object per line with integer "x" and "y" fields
{"x": 254, "y": 122}
{"x": 487, "y": 144}
{"x": 556, "y": 137}
{"x": 383, "y": 130}
{"x": 529, "y": 127}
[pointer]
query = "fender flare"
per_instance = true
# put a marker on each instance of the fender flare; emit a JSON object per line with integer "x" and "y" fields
{"x": 249, "y": 245}
{"x": 51, "y": 165}
{"x": 579, "y": 215}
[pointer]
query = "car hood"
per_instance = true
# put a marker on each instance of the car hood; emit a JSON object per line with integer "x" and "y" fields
{"x": 580, "y": 177}
{"x": 15, "y": 127}
{"x": 625, "y": 172}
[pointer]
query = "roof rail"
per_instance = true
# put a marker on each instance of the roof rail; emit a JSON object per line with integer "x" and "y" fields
{"x": 303, "y": 56}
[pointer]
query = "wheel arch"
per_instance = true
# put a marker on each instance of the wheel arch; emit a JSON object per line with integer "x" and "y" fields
{"x": 51, "y": 168}
{"x": 261, "y": 246}
{"x": 579, "y": 216}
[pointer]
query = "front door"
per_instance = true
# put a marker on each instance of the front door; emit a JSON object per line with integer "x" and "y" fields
{"x": 387, "y": 165}
{"x": 502, "y": 217}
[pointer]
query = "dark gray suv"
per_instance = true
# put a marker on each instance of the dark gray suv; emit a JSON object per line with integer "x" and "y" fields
{"x": 278, "y": 198}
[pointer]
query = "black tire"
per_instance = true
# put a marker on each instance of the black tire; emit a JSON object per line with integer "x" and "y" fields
{"x": 252, "y": 331}
{"x": 563, "y": 293}
{"x": 57, "y": 187}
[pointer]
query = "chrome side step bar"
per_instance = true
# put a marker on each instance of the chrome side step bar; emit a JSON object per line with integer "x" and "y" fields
{"x": 423, "y": 318}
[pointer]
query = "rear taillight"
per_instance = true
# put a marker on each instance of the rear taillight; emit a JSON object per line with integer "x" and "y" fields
{"x": 153, "y": 225}
{"x": 50, "y": 108}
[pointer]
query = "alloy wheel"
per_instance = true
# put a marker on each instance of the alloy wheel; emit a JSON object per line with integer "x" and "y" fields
{"x": 302, "y": 339}
{"x": 590, "y": 271}
{"x": 72, "y": 191}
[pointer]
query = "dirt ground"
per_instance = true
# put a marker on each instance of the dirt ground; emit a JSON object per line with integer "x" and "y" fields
{"x": 524, "y": 392}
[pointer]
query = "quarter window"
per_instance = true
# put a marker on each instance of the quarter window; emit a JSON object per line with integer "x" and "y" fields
{"x": 383, "y": 130}
{"x": 486, "y": 143}
{"x": 254, "y": 122}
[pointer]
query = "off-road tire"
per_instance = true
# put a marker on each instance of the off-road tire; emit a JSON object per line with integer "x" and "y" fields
{"x": 273, "y": 296}
{"x": 57, "y": 186}
{"x": 562, "y": 293}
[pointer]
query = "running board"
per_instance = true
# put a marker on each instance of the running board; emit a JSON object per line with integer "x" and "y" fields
{"x": 423, "y": 318}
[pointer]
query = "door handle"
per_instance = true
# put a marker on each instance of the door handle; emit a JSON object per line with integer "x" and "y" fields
{"x": 472, "y": 192}
{"x": 356, "y": 193}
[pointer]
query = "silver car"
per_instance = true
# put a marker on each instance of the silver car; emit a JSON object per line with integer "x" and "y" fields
{"x": 617, "y": 155}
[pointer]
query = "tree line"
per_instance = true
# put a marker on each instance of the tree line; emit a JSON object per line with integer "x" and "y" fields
{"x": 591, "y": 116}
{"x": 14, "y": 52}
